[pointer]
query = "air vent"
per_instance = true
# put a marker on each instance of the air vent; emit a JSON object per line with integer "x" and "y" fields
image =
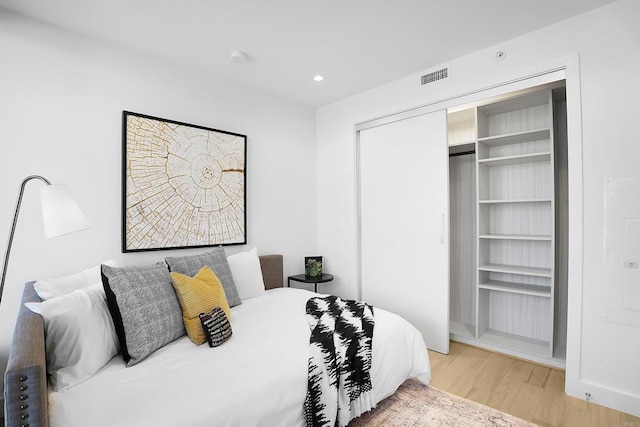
{"x": 434, "y": 76}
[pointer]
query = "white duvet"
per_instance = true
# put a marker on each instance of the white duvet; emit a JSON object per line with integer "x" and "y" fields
{"x": 257, "y": 378}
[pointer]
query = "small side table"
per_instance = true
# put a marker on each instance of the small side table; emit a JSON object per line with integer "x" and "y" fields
{"x": 308, "y": 279}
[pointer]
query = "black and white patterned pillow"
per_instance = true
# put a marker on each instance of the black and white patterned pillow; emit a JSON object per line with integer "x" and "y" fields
{"x": 144, "y": 307}
{"x": 217, "y": 261}
{"x": 216, "y": 326}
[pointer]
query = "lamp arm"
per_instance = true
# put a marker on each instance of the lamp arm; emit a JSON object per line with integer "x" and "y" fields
{"x": 13, "y": 226}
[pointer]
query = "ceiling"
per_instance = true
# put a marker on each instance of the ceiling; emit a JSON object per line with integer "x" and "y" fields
{"x": 355, "y": 44}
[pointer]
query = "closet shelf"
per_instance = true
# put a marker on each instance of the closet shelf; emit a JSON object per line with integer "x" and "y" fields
{"x": 519, "y": 159}
{"x": 489, "y": 201}
{"x": 526, "y": 345}
{"x": 516, "y": 137}
{"x": 538, "y": 237}
{"x": 517, "y": 288}
{"x": 516, "y": 269}
{"x": 462, "y": 329}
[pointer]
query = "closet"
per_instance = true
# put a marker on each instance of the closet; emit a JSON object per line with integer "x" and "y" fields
{"x": 508, "y": 222}
{"x": 462, "y": 219}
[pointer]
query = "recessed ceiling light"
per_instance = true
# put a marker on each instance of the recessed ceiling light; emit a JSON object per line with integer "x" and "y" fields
{"x": 239, "y": 56}
{"x": 318, "y": 78}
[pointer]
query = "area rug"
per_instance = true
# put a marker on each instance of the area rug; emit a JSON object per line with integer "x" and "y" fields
{"x": 415, "y": 404}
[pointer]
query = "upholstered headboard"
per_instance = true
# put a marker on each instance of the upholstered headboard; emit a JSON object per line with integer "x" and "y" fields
{"x": 25, "y": 380}
{"x": 272, "y": 271}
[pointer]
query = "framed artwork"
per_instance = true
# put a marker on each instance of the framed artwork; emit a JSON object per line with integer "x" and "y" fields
{"x": 183, "y": 185}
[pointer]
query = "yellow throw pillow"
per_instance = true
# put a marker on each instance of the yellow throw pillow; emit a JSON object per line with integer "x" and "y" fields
{"x": 199, "y": 294}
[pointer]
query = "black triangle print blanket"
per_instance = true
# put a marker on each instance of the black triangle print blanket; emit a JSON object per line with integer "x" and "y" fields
{"x": 339, "y": 385}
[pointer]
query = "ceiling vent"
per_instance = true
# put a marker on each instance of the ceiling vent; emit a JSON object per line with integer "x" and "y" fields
{"x": 442, "y": 73}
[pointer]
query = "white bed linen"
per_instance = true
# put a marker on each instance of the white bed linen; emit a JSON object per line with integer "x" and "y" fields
{"x": 257, "y": 378}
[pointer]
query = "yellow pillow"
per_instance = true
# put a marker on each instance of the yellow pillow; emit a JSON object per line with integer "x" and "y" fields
{"x": 199, "y": 294}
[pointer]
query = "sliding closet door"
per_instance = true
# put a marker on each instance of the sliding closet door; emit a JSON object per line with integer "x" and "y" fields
{"x": 404, "y": 222}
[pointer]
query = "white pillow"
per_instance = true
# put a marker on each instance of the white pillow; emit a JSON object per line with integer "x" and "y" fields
{"x": 80, "y": 337}
{"x": 246, "y": 272}
{"x": 58, "y": 286}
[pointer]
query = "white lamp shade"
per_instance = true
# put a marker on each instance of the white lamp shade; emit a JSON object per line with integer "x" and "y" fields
{"x": 60, "y": 213}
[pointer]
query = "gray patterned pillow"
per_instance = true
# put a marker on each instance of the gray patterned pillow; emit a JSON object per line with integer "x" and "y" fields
{"x": 144, "y": 307}
{"x": 217, "y": 261}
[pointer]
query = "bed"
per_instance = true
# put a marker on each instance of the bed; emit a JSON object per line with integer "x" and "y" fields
{"x": 257, "y": 378}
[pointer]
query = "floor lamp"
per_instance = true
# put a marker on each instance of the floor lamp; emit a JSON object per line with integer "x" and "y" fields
{"x": 60, "y": 213}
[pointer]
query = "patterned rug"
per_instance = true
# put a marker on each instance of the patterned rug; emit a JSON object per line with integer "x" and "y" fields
{"x": 415, "y": 404}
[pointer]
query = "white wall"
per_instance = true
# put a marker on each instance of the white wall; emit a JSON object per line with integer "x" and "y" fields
{"x": 607, "y": 40}
{"x": 61, "y": 102}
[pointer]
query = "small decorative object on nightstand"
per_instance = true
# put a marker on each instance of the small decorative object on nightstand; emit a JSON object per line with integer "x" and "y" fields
{"x": 313, "y": 266}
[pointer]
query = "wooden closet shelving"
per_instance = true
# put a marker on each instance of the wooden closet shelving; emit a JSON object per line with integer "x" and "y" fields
{"x": 514, "y": 284}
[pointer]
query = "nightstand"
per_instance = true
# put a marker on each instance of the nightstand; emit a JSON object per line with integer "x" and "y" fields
{"x": 302, "y": 278}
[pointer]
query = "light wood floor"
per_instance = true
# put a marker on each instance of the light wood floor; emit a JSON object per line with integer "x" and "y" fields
{"x": 526, "y": 390}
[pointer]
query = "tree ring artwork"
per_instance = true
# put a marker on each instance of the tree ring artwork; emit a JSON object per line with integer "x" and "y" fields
{"x": 184, "y": 185}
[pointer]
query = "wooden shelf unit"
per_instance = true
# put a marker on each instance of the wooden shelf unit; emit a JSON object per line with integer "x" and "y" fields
{"x": 514, "y": 283}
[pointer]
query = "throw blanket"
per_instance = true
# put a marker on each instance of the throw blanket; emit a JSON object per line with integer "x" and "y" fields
{"x": 339, "y": 385}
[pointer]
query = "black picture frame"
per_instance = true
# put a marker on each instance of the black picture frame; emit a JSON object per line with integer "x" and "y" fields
{"x": 183, "y": 185}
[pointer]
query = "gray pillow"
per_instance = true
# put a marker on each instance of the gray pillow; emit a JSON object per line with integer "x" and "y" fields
{"x": 144, "y": 308}
{"x": 217, "y": 261}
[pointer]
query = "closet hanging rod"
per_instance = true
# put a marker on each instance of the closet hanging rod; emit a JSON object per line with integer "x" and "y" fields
{"x": 462, "y": 153}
